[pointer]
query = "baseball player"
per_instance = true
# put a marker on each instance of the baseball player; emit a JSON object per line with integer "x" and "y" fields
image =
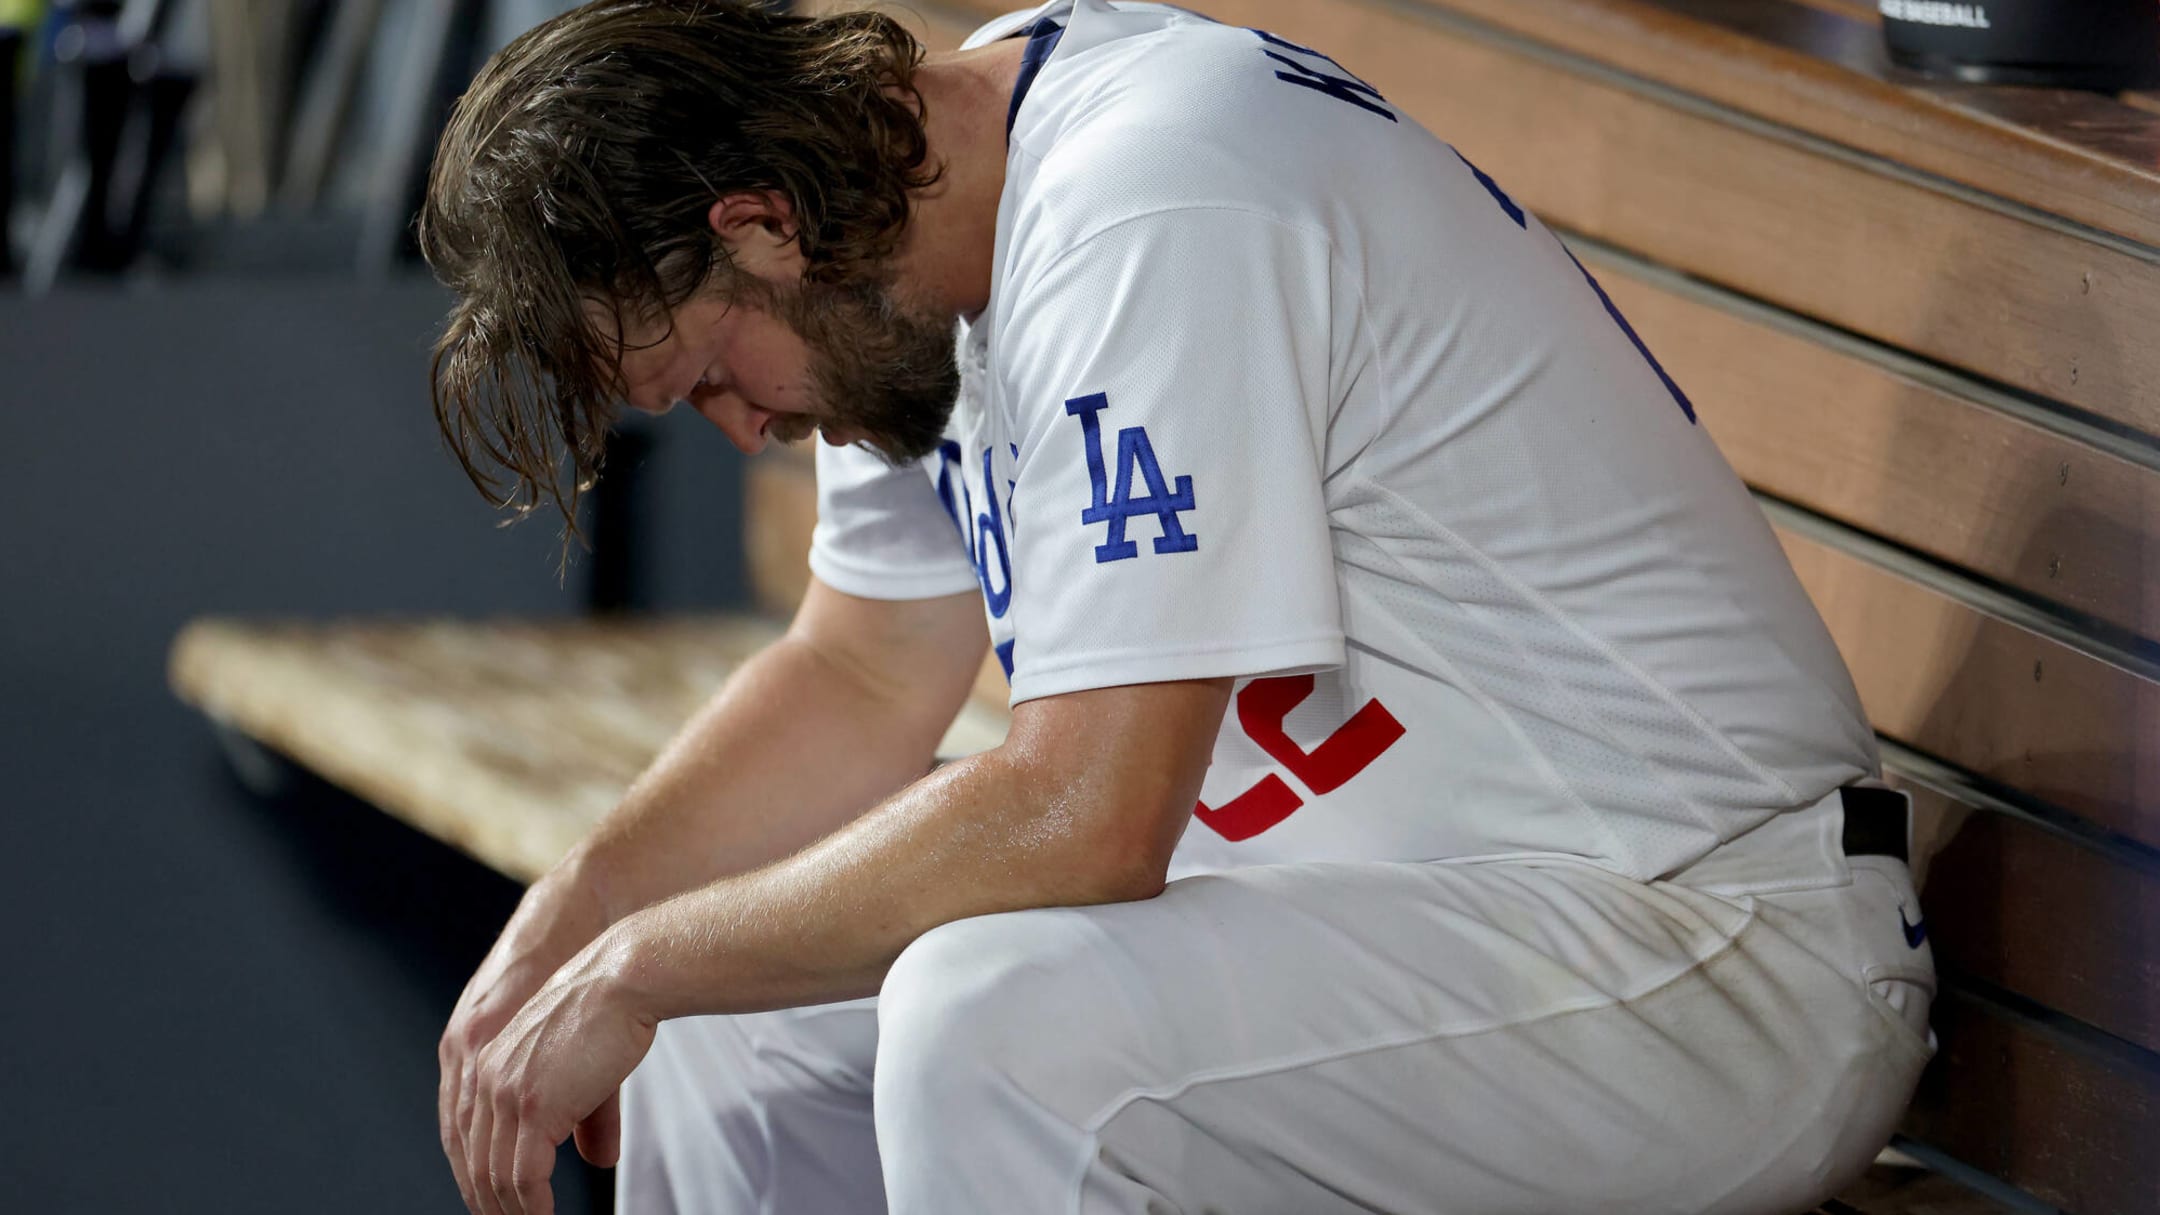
{"x": 1428, "y": 790}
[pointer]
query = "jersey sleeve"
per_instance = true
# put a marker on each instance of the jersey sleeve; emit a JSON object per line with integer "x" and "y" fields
{"x": 881, "y": 532}
{"x": 1170, "y": 378}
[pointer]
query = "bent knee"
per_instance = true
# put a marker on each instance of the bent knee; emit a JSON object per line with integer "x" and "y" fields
{"x": 978, "y": 976}
{"x": 1009, "y": 1001}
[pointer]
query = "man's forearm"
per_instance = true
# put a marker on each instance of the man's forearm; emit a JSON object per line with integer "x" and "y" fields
{"x": 1001, "y": 831}
{"x": 826, "y": 923}
{"x": 792, "y": 747}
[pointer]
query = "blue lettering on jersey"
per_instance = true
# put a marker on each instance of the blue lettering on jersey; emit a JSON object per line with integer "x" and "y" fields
{"x": 991, "y": 528}
{"x": 1679, "y": 398}
{"x": 1515, "y": 212}
{"x": 949, "y": 459}
{"x": 1342, "y": 88}
{"x": 1012, "y": 517}
{"x": 1135, "y": 453}
{"x": 980, "y": 533}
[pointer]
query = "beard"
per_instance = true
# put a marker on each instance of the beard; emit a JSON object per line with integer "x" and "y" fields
{"x": 878, "y": 367}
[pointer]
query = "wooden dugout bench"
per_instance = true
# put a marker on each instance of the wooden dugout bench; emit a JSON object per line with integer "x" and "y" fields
{"x": 1923, "y": 321}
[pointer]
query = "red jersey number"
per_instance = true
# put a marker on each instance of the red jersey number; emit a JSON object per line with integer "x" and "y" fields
{"x": 1261, "y": 708}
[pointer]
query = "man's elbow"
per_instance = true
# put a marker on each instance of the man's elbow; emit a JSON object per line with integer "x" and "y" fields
{"x": 1126, "y": 858}
{"x": 1118, "y": 770}
{"x": 1131, "y": 883}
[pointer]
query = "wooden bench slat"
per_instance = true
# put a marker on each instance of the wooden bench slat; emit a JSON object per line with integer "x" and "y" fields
{"x": 1891, "y": 1190}
{"x": 1910, "y": 462}
{"x": 1989, "y": 696}
{"x": 2010, "y": 1100}
{"x": 2037, "y": 915}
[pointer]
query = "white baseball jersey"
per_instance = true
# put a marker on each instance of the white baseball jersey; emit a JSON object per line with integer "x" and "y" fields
{"x": 1273, "y": 384}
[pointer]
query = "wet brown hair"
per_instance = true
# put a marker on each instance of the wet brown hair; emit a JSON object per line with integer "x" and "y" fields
{"x": 569, "y": 196}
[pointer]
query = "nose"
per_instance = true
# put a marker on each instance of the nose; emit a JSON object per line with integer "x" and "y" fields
{"x": 742, "y": 422}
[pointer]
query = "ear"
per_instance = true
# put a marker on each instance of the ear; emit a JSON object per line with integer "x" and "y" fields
{"x": 759, "y": 229}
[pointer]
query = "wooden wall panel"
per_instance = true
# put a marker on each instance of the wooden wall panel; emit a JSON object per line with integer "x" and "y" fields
{"x": 2013, "y": 301}
{"x": 1895, "y": 457}
{"x": 2038, "y": 915}
{"x": 2082, "y": 155}
{"x": 2016, "y": 1103}
{"x": 1992, "y": 697}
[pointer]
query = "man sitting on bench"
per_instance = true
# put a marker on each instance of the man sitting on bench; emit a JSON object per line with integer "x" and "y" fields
{"x": 1306, "y": 487}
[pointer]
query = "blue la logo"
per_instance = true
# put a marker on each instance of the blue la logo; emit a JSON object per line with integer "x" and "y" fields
{"x": 1135, "y": 454}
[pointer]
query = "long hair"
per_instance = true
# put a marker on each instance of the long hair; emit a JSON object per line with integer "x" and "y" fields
{"x": 569, "y": 195}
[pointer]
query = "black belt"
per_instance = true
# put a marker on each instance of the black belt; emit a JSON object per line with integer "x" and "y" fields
{"x": 1876, "y": 821}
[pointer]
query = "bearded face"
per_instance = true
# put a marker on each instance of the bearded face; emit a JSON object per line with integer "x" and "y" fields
{"x": 880, "y": 368}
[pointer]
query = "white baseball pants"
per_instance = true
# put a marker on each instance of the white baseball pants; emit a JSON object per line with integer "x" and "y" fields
{"x": 1468, "y": 1038}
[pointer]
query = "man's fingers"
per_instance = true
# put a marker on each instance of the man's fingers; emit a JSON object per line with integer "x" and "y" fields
{"x": 599, "y": 1136}
{"x": 502, "y": 1151}
{"x": 457, "y": 1122}
{"x": 479, "y": 1137}
{"x": 453, "y": 1146}
{"x": 532, "y": 1163}
{"x": 447, "y": 1125}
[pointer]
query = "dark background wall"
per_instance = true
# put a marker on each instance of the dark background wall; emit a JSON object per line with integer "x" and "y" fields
{"x": 213, "y": 1000}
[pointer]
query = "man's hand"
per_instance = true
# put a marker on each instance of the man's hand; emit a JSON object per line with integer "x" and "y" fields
{"x": 810, "y": 733}
{"x": 557, "y": 918}
{"x": 554, "y": 1069}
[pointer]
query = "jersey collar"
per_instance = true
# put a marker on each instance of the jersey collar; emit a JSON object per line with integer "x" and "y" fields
{"x": 1042, "y": 39}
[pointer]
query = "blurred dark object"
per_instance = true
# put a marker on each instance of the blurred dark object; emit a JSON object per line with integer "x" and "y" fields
{"x": 325, "y": 103}
{"x": 89, "y": 100}
{"x": 440, "y": 52}
{"x": 168, "y": 137}
{"x": 117, "y": 105}
{"x": 254, "y": 46}
{"x": 2080, "y": 44}
{"x": 160, "y": 98}
{"x": 619, "y": 518}
{"x": 11, "y": 46}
